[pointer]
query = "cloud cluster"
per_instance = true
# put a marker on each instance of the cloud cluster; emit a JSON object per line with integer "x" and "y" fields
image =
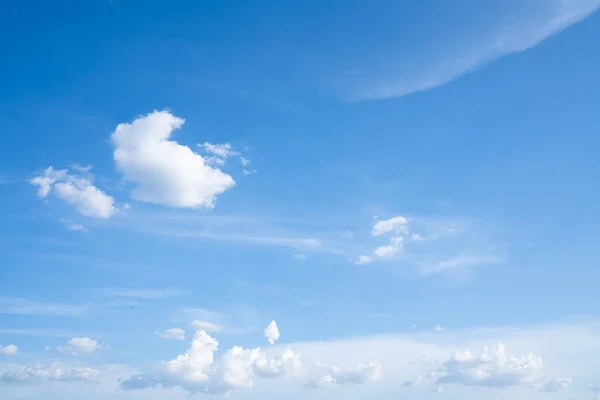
{"x": 8, "y": 350}
{"x": 495, "y": 367}
{"x": 75, "y": 189}
{"x": 80, "y": 346}
{"x": 163, "y": 171}
{"x": 43, "y": 373}
{"x": 396, "y": 229}
{"x": 198, "y": 371}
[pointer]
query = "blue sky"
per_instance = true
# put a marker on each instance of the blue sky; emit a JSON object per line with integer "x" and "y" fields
{"x": 397, "y": 184}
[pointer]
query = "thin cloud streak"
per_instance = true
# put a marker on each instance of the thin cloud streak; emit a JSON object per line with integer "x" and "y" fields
{"x": 510, "y": 38}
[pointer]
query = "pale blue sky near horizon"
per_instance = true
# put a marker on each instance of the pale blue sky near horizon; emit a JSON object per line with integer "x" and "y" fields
{"x": 477, "y": 122}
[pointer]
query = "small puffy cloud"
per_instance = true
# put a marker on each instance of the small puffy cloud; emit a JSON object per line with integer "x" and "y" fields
{"x": 362, "y": 373}
{"x": 163, "y": 171}
{"x": 495, "y": 367}
{"x": 272, "y": 332}
{"x": 395, "y": 229}
{"x": 80, "y": 346}
{"x": 172, "y": 333}
{"x": 395, "y": 224}
{"x": 364, "y": 259}
{"x": 72, "y": 226}
{"x": 438, "y": 328}
{"x": 556, "y": 384}
{"x": 204, "y": 326}
{"x": 45, "y": 373}
{"x": 75, "y": 190}
{"x": 390, "y": 249}
{"x": 8, "y": 350}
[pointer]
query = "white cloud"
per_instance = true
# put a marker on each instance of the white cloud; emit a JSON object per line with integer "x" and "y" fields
{"x": 438, "y": 328}
{"x": 395, "y": 228}
{"x": 8, "y": 350}
{"x": 43, "y": 373}
{"x": 364, "y": 259}
{"x": 493, "y": 368}
{"x": 80, "y": 346}
{"x": 198, "y": 371}
{"x": 72, "y": 226}
{"x": 285, "y": 363}
{"x": 165, "y": 172}
{"x": 204, "y": 325}
{"x": 521, "y": 26}
{"x": 75, "y": 190}
{"x": 556, "y": 384}
{"x": 390, "y": 249}
{"x": 172, "y": 333}
{"x": 395, "y": 224}
{"x": 362, "y": 373}
{"x": 272, "y": 332}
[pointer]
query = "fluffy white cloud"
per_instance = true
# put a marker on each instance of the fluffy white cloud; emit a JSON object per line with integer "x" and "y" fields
{"x": 390, "y": 249}
{"x": 172, "y": 333}
{"x": 79, "y": 346}
{"x": 396, "y": 229}
{"x": 285, "y": 363}
{"x": 556, "y": 384}
{"x": 8, "y": 350}
{"x": 198, "y": 371}
{"x": 205, "y": 326}
{"x": 164, "y": 171}
{"x": 272, "y": 332}
{"x": 395, "y": 224}
{"x": 43, "y": 373}
{"x": 493, "y": 368}
{"x": 362, "y": 373}
{"x": 75, "y": 190}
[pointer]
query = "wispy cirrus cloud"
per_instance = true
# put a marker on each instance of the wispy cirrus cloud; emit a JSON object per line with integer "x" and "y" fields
{"x": 518, "y": 27}
{"x": 21, "y": 306}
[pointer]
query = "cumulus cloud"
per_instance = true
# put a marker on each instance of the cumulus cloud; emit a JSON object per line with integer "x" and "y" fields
{"x": 204, "y": 325}
{"x": 495, "y": 367}
{"x": 362, "y": 373}
{"x": 76, "y": 190}
{"x": 8, "y": 350}
{"x": 272, "y": 332}
{"x": 43, "y": 373}
{"x": 163, "y": 171}
{"x": 79, "y": 346}
{"x": 556, "y": 384}
{"x": 394, "y": 224}
{"x": 395, "y": 229}
{"x": 172, "y": 333}
{"x": 198, "y": 371}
